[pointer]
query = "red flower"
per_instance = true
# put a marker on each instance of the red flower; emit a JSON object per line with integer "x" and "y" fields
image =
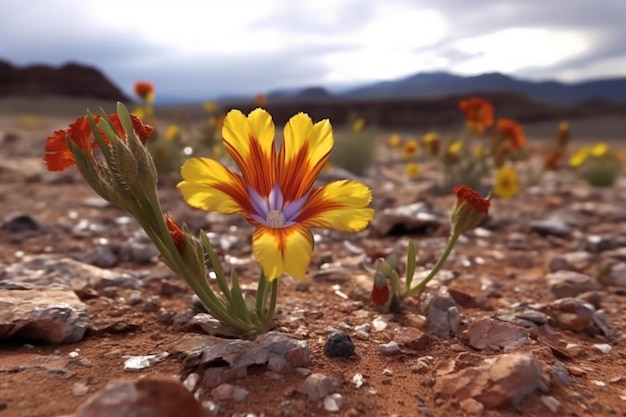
{"x": 58, "y": 156}
{"x": 380, "y": 292}
{"x": 473, "y": 200}
{"x": 144, "y": 89}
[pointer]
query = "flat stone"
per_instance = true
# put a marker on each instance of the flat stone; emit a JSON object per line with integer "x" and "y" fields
{"x": 491, "y": 334}
{"x": 317, "y": 386}
{"x": 54, "y": 315}
{"x": 570, "y": 314}
{"x": 442, "y": 317}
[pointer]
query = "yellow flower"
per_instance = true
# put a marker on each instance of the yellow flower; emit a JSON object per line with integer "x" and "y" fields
{"x": 579, "y": 157}
{"x": 274, "y": 191}
{"x": 506, "y": 184}
{"x": 209, "y": 106}
{"x": 358, "y": 125}
{"x": 411, "y": 148}
{"x": 599, "y": 150}
{"x": 412, "y": 169}
{"x": 455, "y": 147}
{"x": 394, "y": 140}
{"x": 172, "y": 132}
{"x": 431, "y": 140}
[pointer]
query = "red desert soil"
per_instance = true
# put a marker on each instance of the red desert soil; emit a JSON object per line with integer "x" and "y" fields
{"x": 502, "y": 264}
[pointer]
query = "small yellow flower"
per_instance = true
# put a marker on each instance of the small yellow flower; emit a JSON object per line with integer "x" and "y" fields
{"x": 455, "y": 147}
{"x": 478, "y": 150}
{"x": 579, "y": 157}
{"x": 209, "y": 106}
{"x": 172, "y": 132}
{"x": 599, "y": 150}
{"x": 411, "y": 148}
{"x": 506, "y": 184}
{"x": 412, "y": 169}
{"x": 358, "y": 125}
{"x": 394, "y": 140}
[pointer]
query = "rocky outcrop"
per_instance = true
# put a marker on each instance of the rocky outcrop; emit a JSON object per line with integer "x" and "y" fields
{"x": 69, "y": 80}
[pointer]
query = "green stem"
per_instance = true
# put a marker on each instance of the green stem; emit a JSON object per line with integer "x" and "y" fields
{"x": 444, "y": 256}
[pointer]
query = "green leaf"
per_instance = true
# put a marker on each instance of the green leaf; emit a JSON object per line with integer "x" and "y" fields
{"x": 410, "y": 264}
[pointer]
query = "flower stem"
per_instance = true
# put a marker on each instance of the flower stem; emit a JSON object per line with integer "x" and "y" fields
{"x": 444, "y": 256}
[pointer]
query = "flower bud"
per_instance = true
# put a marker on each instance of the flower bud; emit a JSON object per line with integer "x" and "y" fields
{"x": 469, "y": 210}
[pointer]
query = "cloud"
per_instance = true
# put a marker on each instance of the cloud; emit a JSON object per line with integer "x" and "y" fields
{"x": 198, "y": 49}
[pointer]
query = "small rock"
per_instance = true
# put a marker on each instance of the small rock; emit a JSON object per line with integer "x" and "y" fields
{"x": 19, "y": 223}
{"x": 551, "y": 403}
{"x": 552, "y": 226}
{"x": 569, "y": 283}
{"x": 229, "y": 392}
{"x": 443, "y": 318}
{"x": 339, "y": 344}
{"x": 134, "y": 363}
{"x": 472, "y": 407}
{"x": 390, "y": 349}
{"x": 147, "y": 397}
{"x": 358, "y": 380}
{"x": 79, "y": 389}
{"x": 333, "y": 402}
{"x": 570, "y": 314}
{"x": 412, "y": 338}
{"x": 317, "y": 386}
{"x": 603, "y": 347}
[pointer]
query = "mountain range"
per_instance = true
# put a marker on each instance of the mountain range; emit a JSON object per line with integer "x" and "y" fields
{"x": 440, "y": 84}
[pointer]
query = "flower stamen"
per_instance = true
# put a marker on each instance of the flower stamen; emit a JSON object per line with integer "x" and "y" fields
{"x": 275, "y": 219}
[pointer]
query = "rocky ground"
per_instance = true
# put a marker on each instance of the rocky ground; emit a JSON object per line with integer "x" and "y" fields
{"x": 527, "y": 317}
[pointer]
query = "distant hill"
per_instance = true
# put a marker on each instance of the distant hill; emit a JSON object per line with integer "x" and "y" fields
{"x": 441, "y": 84}
{"x": 69, "y": 80}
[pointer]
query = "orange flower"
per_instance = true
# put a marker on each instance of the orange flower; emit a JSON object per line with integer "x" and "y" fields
{"x": 478, "y": 113}
{"x": 474, "y": 201}
{"x": 144, "y": 90}
{"x": 261, "y": 99}
{"x": 58, "y": 156}
{"x": 563, "y": 134}
{"x": 511, "y": 131}
{"x": 551, "y": 163}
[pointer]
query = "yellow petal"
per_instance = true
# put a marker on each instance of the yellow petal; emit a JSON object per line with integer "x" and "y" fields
{"x": 281, "y": 250}
{"x": 210, "y": 186}
{"x": 303, "y": 154}
{"x": 250, "y": 141}
{"x": 340, "y": 205}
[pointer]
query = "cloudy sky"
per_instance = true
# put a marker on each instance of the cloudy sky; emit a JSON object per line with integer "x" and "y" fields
{"x": 198, "y": 49}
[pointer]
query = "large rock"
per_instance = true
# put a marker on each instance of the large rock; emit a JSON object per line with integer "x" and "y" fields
{"x": 54, "y": 315}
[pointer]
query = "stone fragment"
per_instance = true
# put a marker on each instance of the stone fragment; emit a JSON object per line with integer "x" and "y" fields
{"x": 224, "y": 360}
{"x": 486, "y": 333}
{"x": 389, "y": 349}
{"x": 333, "y": 402}
{"x": 54, "y": 315}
